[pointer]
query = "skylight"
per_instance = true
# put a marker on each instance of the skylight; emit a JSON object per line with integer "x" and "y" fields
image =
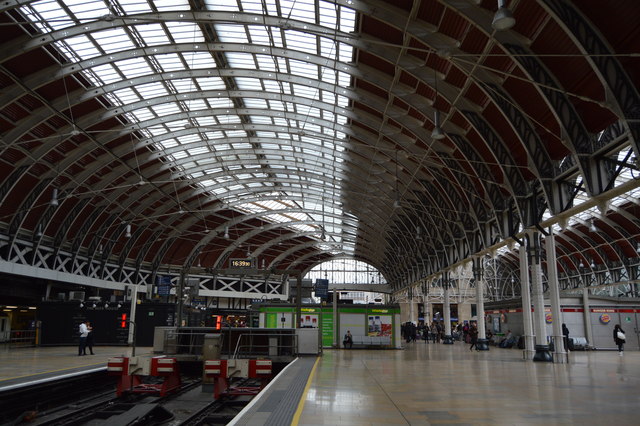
{"x": 240, "y": 91}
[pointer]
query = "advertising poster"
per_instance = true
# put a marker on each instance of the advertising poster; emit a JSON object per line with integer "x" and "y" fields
{"x": 309, "y": 320}
{"x": 327, "y": 329}
{"x": 380, "y": 325}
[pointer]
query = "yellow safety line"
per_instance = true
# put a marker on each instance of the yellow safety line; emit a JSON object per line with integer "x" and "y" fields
{"x": 51, "y": 371}
{"x": 296, "y": 416}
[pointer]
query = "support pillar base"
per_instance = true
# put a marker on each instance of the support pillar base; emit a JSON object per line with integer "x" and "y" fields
{"x": 543, "y": 354}
{"x": 482, "y": 345}
{"x": 447, "y": 340}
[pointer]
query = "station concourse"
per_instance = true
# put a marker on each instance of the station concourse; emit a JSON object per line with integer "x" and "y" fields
{"x": 284, "y": 172}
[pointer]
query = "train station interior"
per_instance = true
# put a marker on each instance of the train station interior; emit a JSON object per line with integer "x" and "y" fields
{"x": 214, "y": 194}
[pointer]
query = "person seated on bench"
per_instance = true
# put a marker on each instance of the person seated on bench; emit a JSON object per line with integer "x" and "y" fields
{"x": 348, "y": 340}
{"x": 508, "y": 341}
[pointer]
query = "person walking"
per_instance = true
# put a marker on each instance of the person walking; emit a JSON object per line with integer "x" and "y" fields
{"x": 89, "y": 343}
{"x": 473, "y": 337}
{"x": 565, "y": 336}
{"x": 84, "y": 332}
{"x": 619, "y": 337}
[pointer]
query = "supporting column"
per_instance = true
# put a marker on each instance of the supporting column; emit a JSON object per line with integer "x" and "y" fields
{"x": 448, "y": 339}
{"x": 336, "y": 340}
{"x": 587, "y": 315}
{"x": 478, "y": 273}
{"x": 542, "y": 346}
{"x": 298, "y": 300}
{"x": 411, "y": 310}
{"x": 526, "y": 302}
{"x": 131, "y": 339}
{"x": 554, "y": 299}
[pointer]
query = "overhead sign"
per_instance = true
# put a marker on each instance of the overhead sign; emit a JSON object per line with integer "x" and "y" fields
{"x": 164, "y": 284}
{"x": 322, "y": 288}
{"x": 241, "y": 263}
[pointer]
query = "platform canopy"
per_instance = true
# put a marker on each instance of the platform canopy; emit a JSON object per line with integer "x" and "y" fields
{"x": 175, "y": 135}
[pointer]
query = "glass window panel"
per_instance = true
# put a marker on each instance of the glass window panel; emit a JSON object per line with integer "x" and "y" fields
{"x": 255, "y": 103}
{"x": 135, "y": 6}
{"x": 271, "y": 86}
{"x": 245, "y": 83}
{"x": 133, "y": 67}
{"x": 197, "y": 151}
{"x": 231, "y": 33}
{"x": 143, "y": 114}
{"x": 221, "y": 147}
{"x": 49, "y": 11}
{"x": 265, "y": 63}
{"x": 228, "y": 119}
{"x": 195, "y": 137}
{"x": 210, "y": 83}
{"x": 214, "y": 135}
{"x": 301, "y": 41}
{"x": 170, "y": 62}
{"x": 113, "y": 40}
{"x": 185, "y": 32}
{"x": 83, "y": 47}
{"x": 151, "y": 90}
{"x": 240, "y": 60}
{"x": 222, "y": 5}
{"x": 113, "y": 99}
{"x": 261, "y": 120}
{"x": 152, "y": 34}
{"x": 166, "y": 109}
{"x": 183, "y": 85}
{"x": 242, "y": 146}
{"x": 199, "y": 60}
{"x": 180, "y": 154}
{"x": 220, "y": 102}
{"x": 172, "y": 5}
{"x": 304, "y": 69}
{"x": 127, "y": 95}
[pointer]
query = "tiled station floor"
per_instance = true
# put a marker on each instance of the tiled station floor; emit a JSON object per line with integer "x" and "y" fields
{"x": 449, "y": 384}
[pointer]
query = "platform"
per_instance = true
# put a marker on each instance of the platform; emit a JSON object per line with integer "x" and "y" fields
{"x": 448, "y": 384}
{"x": 21, "y": 367}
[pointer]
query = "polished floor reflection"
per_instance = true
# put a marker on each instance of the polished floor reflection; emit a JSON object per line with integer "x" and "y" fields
{"x": 438, "y": 384}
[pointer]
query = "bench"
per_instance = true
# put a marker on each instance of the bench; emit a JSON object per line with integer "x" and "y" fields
{"x": 367, "y": 342}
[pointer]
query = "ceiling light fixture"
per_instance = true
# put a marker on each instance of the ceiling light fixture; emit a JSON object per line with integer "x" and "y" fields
{"x": 54, "y": 198}
{"x": 503, "y": 19}
{"x": 226, "y": 232}
{"x": 592, "y": 227}
{"x": 128, "y": 231}
{"x": 39, "y": 231}
{"x": 437, "y": 133}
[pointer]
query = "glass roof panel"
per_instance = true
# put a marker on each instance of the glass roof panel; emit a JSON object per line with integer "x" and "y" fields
{"x": 309, "y": 59}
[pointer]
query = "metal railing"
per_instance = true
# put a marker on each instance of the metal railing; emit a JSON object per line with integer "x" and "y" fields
{"x": 234, "y": 342}
{"x": 20, "y": 338}
{"x": 266, "y": 342}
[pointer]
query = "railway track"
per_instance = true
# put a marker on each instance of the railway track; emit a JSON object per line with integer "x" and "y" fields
{"x": 91, "y": 399}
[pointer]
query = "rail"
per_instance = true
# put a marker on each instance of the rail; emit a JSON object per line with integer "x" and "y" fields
{"x": 234, "y": 342}
{"x": 276, "y": 343}
{"x": 20, "y": 338}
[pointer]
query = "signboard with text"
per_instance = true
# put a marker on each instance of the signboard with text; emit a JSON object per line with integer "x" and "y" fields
{"x": 322, "y": 288}
{"x": 241, "y": 263}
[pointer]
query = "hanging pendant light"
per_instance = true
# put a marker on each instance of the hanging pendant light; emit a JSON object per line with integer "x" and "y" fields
{"x": 54, "y": 198}
{"x": 128, "y": 231}
{"x": 437, "y": 133}
{"x": 226, "y": 232}
{"x": 503, "y": 19}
